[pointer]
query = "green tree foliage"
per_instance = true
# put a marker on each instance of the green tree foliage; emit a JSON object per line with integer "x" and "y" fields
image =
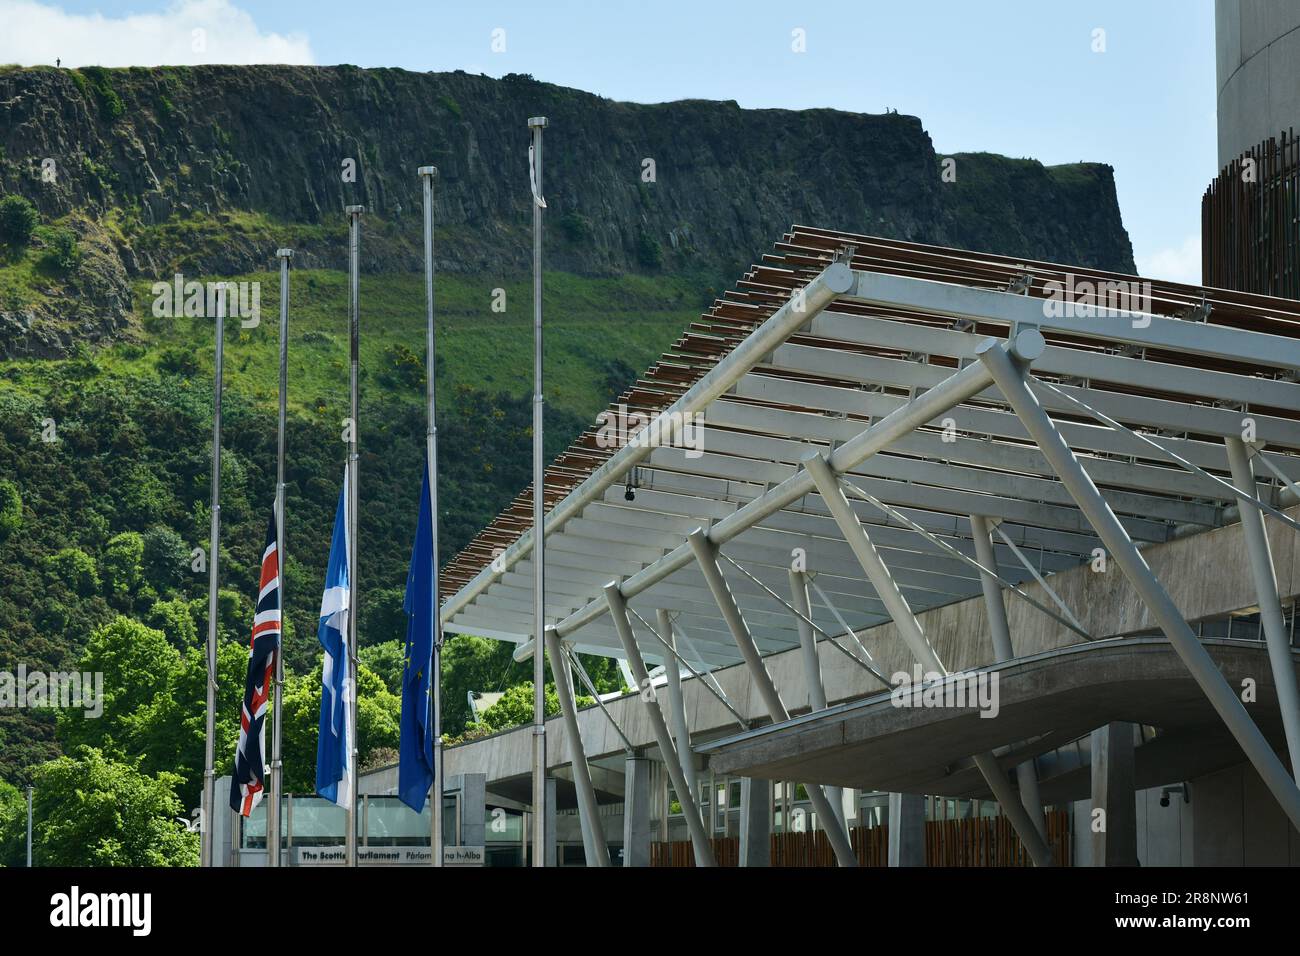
{"x": 121, "y": 565}
{"x": 166, "y": 559}
{"x": 515, "y": 707}
{"x": 75, "y": 569}
{"x": 382, "y": 617}
{"x": 379, "y": 715}
{"x": 388, "y": 662}
{"x": 64, "y": 250}
{"x": 11, "y": 508}
{"x": 136, "y": 662}
{"x": 18, "y": 221}
{"x": 13, "y": 825}
{"x": 173, "y": 618}
{"x": 90, "y": 810}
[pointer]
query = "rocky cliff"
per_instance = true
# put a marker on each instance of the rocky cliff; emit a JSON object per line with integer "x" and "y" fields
{"x": 203, "y": 168}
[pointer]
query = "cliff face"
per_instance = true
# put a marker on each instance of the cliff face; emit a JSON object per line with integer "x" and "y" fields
{"x": 170, "y": 160}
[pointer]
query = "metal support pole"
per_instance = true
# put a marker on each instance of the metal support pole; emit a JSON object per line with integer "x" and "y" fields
{"x": 427, "y": 175}
{"x": 706, "y": 556}
{"x": 214, "y": 554}
{"x": 812, "y": 669}
{"x": 536, "y": 124}
{"x": 909, "y": 628}
{"x": 277, "y": 760}
{"x": 1009, "y": 377}
{"x": 1026, "y": 772}
{"x": 676, "y": 702}
{"x": 594, "y": 847}
{"x": 672, "y": 763}
{"x": 29, "y": 826}
{"x": 354, "y": 572}
{"x": 1270, "y": 605}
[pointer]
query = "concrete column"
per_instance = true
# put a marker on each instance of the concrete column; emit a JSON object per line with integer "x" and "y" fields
{"x": 636, "y": 811}
{"x": 551, "y": 825}
{"x": 755, "y": 822}
{"x": 1114, "y": 830}
{"x": 473, "y": 809}
{"x": 906, "y": 829}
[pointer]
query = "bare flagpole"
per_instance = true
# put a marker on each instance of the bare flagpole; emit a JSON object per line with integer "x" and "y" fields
{"x": 537, "y": 124}
{"x": 354, "y": 583}
{"x": 427, "y": 175}
{"x": 277, "y": 777}
{"x": 207, "y": 810}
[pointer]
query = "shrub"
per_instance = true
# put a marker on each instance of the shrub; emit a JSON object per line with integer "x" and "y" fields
{"x": 11, "y": 508}
{"x": 18, "y": 220}
{"x": 65, "y": 251}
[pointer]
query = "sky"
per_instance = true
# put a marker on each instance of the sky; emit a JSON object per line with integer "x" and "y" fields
{"x": 1124, "y": 82}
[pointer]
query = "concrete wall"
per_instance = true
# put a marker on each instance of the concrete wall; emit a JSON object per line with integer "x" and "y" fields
{"x": 1164, "y": 834}
{"x": 1236, "y": 822}
{"x": 1258, "y": 71}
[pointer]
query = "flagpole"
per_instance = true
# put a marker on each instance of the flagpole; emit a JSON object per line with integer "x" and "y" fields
{"x": 273, "y": 809}
{"x": 207, "y": 807}
{"x": 354, "y": 588}
{"x": 427, "y": 175}
{"x": 537, "y": 124}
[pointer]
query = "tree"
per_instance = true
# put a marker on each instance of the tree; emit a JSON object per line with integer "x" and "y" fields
{"x": 75, "y": 569}
{"x": 137, "y": 663}
{"x": 173, "y": 618}
{"x": 387, "y": 661}
{"x": 18, "y": 221}
{"x": 379, "y": 714}
{"x": 11, "y": 508}
{"x": 13, "y": 825}
{"x": 121, "y": 564}
{"x": 91, "y": 810}
{"x": 472, "y": 663}
{"x": 382, "y": 617}
{"x": 166, "y": 558}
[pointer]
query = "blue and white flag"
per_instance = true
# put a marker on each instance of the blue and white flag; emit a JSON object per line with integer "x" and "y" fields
{"x": 415, "y": 756}
{"x": 334, "y": 745}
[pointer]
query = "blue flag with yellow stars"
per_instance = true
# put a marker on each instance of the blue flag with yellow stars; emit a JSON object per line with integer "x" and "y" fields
{"x": 415, "y": 762}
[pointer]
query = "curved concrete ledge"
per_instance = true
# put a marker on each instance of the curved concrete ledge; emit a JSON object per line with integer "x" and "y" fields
{"x": 1043, "y": 702}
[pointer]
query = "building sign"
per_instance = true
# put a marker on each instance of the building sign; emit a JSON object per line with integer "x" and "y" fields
{"x": 366, "y": 855}
{"x": 463, "y": 856}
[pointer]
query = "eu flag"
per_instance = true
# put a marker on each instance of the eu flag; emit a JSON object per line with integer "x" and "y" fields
{"x": 415, "y": 761}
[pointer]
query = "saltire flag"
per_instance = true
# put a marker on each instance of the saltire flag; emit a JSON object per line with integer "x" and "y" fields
{"x": 334, "y": 744}
{"x": 415, "y": 760}
{"x": 247, "y": 785}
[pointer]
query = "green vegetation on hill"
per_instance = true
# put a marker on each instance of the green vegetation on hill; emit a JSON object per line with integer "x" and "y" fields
{"x": 107, "y": 464}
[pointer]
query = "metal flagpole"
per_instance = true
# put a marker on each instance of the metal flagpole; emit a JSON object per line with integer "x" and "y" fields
{"x": 273, "y": 809}
{"x": 207, "y": 808}
{"x": 537, "y": 124}
{"x": 29, "y": 826}
{"x": 354, "y": 584}
{"x": 427, "y": 175}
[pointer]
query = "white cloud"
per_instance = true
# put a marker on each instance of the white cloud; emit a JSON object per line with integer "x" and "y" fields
{"x": 187, "y": 32}
{"x": 1174, "y": 263}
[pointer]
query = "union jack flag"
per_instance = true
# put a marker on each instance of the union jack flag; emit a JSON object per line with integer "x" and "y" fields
{"x": 248, "y": 782}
